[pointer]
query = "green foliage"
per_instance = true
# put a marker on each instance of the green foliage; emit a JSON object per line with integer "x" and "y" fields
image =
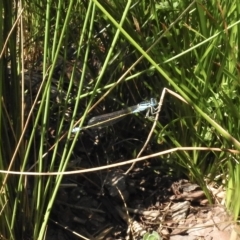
{"x": 151, "y": 236}
{"x": 78, "y": 55}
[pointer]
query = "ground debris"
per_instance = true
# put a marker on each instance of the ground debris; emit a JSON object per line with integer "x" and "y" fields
{"x": 127, "y": 207}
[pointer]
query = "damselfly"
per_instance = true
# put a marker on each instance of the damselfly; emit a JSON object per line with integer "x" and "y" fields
{"x": 111, "y": 118}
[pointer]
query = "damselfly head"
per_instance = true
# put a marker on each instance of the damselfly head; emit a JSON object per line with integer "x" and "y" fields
{"x": 153, "y": 102}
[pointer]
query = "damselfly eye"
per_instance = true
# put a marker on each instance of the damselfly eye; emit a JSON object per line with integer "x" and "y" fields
{"x": 153, "y": 102}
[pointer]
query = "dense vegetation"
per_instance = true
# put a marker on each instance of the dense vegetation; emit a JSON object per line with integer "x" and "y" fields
{"x": 65, "y": 60}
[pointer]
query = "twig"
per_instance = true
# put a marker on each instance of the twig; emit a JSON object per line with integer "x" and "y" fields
{"x": 155, "y": 122}
{"x": 107, "y": 167}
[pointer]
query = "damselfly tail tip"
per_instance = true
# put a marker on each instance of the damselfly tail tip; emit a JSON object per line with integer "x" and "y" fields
{"x": 76, "y": 129}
